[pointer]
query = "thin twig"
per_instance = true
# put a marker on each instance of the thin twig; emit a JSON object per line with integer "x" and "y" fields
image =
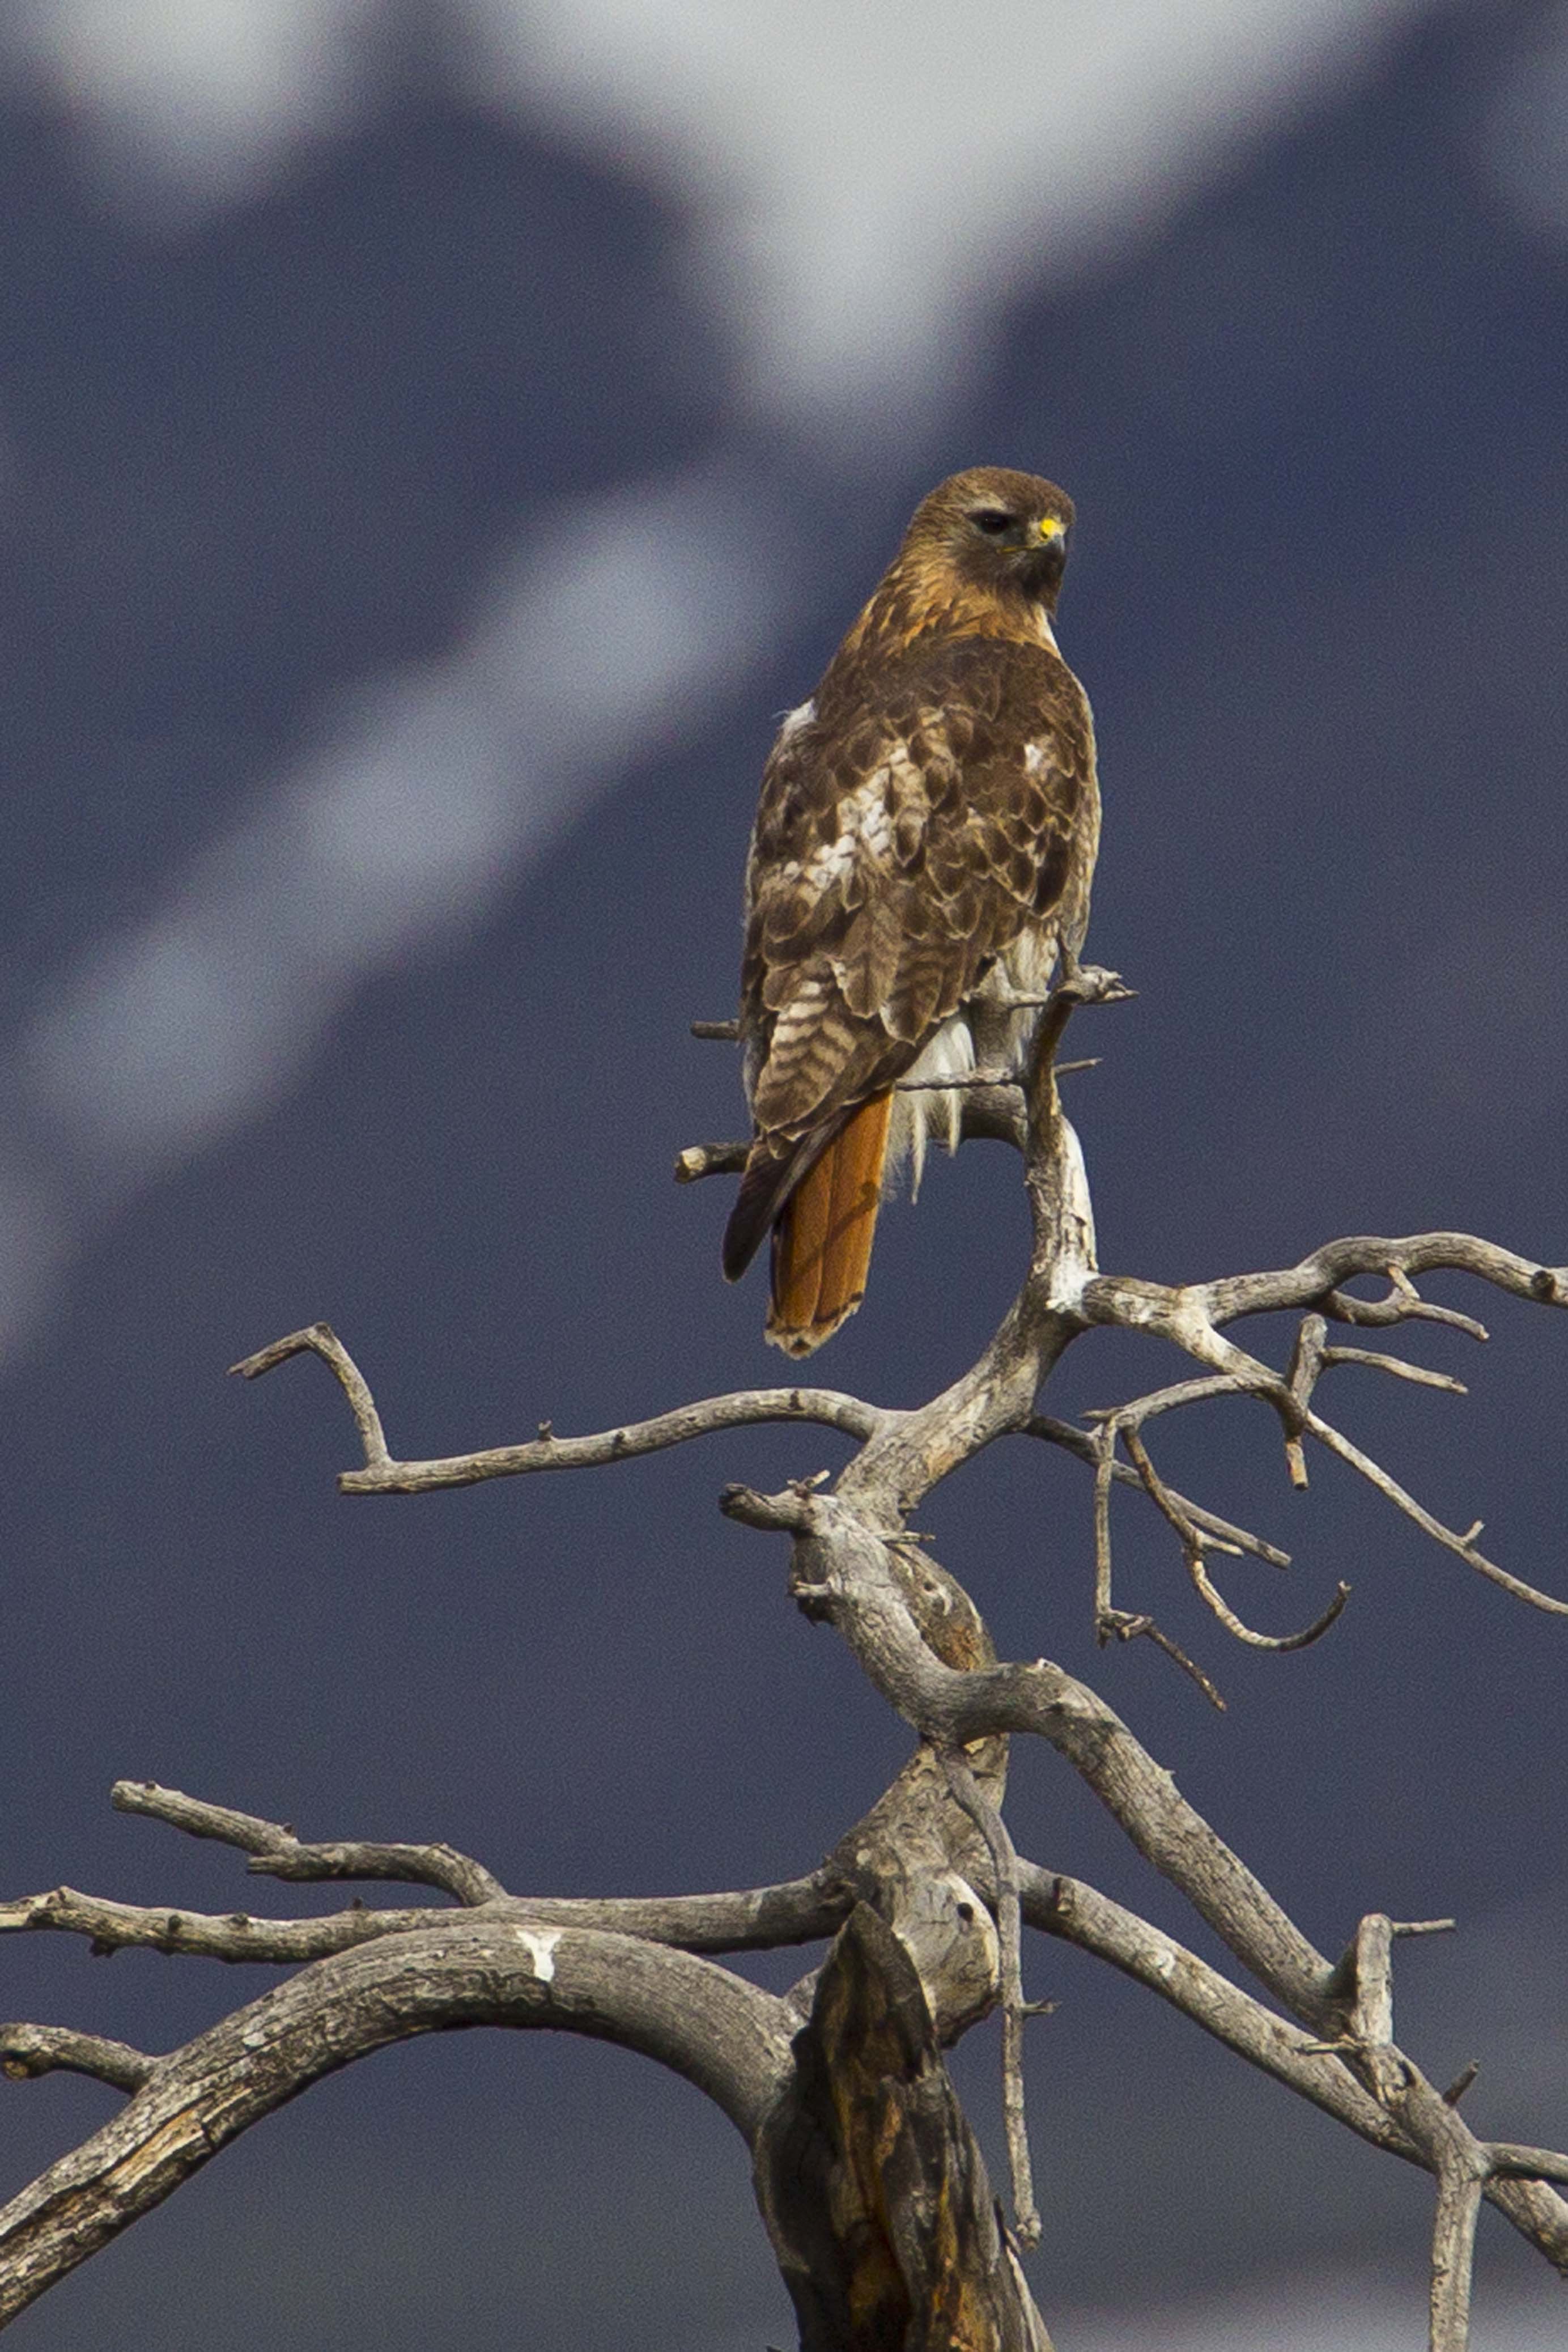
{"x": 277, "y": 1852}
{"x": 1397, "y": 1366}
{"x": 1233, "y": 1625}
{"x": 1080, "y": 1442}
{"x": 1104, "y": 1469}
{"x": 988, "y": 1821}
{"x": 1191, "y": 1315}
{"x": 1463, "y": 1547}
{"x": 384, "y": 1475}
{"x": 1130, "y": 1625}
{"x": 1404, "y": 1304}
{"x": 1111, "y": 1623}
{"x": 1195, "y": 1542}
{"x": 321, "y": 1339}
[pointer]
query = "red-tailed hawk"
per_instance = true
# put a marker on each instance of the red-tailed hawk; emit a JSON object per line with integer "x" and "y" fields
{"x": 922, "y": 851}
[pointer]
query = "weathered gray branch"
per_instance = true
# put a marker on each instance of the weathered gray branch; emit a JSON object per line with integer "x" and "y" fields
{"x": 723, "y": 2034}
{"x": 28, "y": 2050}
{"x": 277, "y": 1852}
{"x": 988, "y": 1821}
{"x": 1084, "y": 1444}
{"x": 849, "y": 2063}
{"x": 381, "y": 1475}
{"x": 759, "y": 1918}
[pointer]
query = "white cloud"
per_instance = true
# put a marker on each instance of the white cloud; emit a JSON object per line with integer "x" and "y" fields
{"x": 211, "y": 91}
{"x": 871, "y": 175}
{"x": 869, "y": 182}
{"x": 418, "y": 812}
{"x": 866, "y": 178}
{"x": 1524, "y": 137}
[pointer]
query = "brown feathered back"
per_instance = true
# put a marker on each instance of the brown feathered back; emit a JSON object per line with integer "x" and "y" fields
{"x": 924, "y": 841}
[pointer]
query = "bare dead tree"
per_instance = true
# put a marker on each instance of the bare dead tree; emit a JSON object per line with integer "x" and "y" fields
{"x": 869, "y": 2180}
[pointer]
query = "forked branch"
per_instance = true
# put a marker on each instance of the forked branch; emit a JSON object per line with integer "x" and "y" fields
{"x": 628, "y": 1970}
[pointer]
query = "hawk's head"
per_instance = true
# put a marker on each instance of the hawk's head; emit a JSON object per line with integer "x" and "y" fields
{"x": 996, "y": 530}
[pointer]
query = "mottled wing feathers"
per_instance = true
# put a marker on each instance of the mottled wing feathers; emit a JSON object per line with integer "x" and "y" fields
{"x": 926, "y": 828}
{"x": 896, "y": 855}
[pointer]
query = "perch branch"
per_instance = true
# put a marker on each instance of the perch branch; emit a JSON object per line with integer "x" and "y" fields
{"x": 700, "y": 1159}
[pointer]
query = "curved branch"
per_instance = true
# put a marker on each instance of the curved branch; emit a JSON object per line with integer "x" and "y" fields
{"x": 723, "y": 2035}
{"x": 1080, "y": 1442}
{"x": 1194, "y": 1541}
{"x": 1191, "y": 1315}
{"x": 382, "y": 1474}
{"x": 1316, "y": 1279}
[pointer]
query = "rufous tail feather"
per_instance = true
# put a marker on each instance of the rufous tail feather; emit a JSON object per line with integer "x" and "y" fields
{"x": 822, "y": 1242}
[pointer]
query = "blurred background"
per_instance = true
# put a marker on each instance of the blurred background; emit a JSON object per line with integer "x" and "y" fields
{"x": 437, "y": 438}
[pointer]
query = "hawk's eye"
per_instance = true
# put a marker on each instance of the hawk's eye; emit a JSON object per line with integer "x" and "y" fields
{"x": 992, "y": 521}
